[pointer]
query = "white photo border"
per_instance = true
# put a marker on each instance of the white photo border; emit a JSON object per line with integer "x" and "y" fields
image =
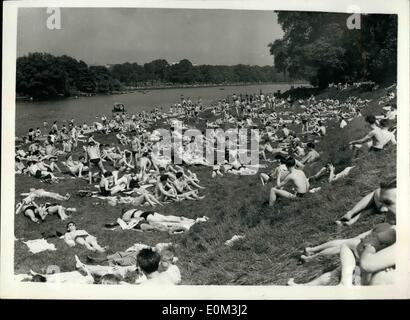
{"x": 26, "y": 290}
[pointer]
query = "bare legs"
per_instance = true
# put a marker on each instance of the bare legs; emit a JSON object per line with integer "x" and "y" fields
{"x": 274, "y": 193}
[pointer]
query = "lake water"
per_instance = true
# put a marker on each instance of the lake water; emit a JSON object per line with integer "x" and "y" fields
{"x": 85, "y": 109}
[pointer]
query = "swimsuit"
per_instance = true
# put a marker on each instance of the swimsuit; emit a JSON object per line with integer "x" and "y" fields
{"x": 300, "y": 195}
{"x": 38, "y": 174}
{"x": 134, "y": 184}
{"x": 105, "y": 192}
{"x": 96, "y": 160}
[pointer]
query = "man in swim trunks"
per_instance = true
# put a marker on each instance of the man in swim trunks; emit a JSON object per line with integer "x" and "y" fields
{"x": 93, "y": 155}
{"x": 297, "y": 177}
{"x": 375, "y": 136}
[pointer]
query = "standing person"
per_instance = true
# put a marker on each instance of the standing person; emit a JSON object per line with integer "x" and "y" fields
{"x": 135, "y": 148}
{"x": 93, "y": 155}
{"x": 297, "y": 177}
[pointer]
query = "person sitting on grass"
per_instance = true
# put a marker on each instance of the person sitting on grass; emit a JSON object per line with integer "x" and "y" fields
{"x": 279, "y": 173}
{"x": 164, "y": 190}
{"x": 375, "y": 136}
{"x": 311, "y": 156}
{"x": 184, "y": 189}
{"x": 82, "y": 237}
{"x": 380, "y": 199}
{"x": 297, "y": 177}
{"x": 107, "y": 185}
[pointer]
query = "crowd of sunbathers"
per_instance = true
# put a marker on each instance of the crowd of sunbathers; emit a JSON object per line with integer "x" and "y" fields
{"x": 134, "y": 172}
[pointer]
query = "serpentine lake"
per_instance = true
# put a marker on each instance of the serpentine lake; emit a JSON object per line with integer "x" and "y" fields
{"x": 86, "y": 109}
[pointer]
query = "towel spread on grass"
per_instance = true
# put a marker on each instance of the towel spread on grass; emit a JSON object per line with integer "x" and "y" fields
{"x": 39, "y": 245}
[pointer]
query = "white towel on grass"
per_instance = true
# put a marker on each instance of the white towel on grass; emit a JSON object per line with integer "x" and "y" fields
{"x": 39, "y": 245}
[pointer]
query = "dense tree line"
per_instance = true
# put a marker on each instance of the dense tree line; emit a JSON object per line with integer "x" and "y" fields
{"x": 321, "y": 48}
{"x": 184, "y": 72}
{"x": 42, "y": 75}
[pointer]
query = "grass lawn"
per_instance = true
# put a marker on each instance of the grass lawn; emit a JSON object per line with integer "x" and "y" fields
{"x": 274, "y": 237}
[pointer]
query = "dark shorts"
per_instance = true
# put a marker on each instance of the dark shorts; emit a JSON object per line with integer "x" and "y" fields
{"x": 375, "y": 149}
{"x": 146, "y": 214}
{"x": 95, "y": 161}
{"x": 300, "y": 195}
{"x": 105, "y": 192}
{"x": 38, "y": 174}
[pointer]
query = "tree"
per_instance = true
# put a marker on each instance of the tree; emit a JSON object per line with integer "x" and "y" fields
{"x": 320, "y": 48}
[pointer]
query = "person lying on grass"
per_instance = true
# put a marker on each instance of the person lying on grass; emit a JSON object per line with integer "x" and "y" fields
{"x": 41, "y": 193}
{"x": 76, "y": 168}
{"x": 149, "y": 264}
{"x": 76, "y": 277}
{"x": 366, "y": 261}
{"x": 32, "y": 211}
{"x": 82, "y": 237}
{"x": 55, "y": 208}
{"x": 37, "y": 171}
{"x": 153, "y": 221}
{"x": 297, "y": 177}
{"x": 128, "y": 257}
{"x": 387, "y": 204}
{"x": 380, "y": 199}
{"x": 19, "y": 166}
{"x": 330, "y": 169}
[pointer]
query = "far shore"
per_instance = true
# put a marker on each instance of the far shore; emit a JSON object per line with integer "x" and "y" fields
{"x": 142, "y": 89}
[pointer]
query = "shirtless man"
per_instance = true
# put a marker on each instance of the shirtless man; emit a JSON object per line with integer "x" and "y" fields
{"x": 372, "y": 199}
{"x": 93, "y": 155}
{"x": 311, "y": 156}
{"x": 375, "y": 136}
{"x": 82, "y": 237}
{"x": 297, "y": 177}
{"x": 135, "y": 147}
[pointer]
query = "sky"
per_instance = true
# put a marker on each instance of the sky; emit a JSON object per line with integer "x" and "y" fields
{"x": 102, "y": 36}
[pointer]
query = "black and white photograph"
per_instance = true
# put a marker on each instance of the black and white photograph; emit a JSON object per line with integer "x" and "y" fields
{"x": 183, "y": 145}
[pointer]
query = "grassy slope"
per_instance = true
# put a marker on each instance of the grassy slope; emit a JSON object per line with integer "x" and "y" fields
{"x": 235, "y": 205}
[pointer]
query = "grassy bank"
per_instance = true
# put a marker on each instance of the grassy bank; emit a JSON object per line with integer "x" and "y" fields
{"x": 274, "y": 237}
